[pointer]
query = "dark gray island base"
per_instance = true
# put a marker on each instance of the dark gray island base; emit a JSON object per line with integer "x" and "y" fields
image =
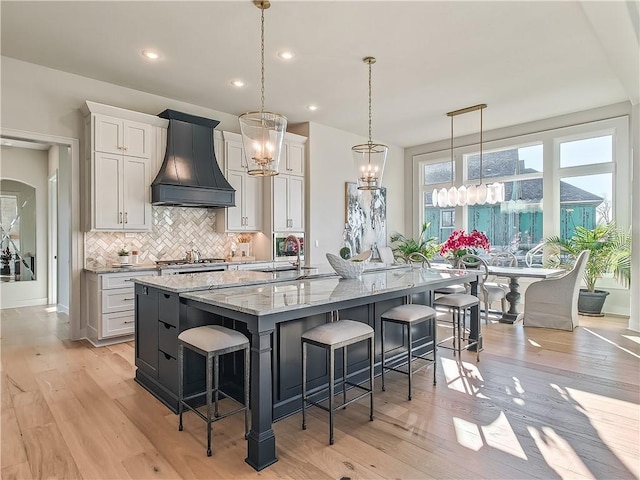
{"x": 274, "y": 316}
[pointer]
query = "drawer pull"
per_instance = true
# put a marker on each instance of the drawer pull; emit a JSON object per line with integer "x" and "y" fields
{"x": 127, "y": 280}
{"x": 127, "y": 299}
{"x": 166, "y": 295}
{"x": 128, "y": 321}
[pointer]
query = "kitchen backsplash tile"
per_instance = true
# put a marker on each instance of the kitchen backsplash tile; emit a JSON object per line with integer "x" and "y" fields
{"x": 174, "y": 230}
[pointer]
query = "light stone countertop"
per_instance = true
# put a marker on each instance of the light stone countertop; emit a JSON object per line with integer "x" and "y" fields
{"x": 117, "y": 269}
{"x": 285, "y": 296}
{"x": 191, "y": 282}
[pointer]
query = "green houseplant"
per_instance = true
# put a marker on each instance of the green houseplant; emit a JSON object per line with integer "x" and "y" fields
{"x": 403, "y": 246}
{"x": 609, "y": 252}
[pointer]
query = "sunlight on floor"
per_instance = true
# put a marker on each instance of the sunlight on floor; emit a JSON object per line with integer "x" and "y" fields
{"x": 558, "y": 454}
{"x": 459, "y": 376}
{"x": 498, "y": 435}
{"x": 598, "y": 409}
{"x": 633, "y": 338}
{"x": 534, "y": 343}
{"x": 612, "y": 343}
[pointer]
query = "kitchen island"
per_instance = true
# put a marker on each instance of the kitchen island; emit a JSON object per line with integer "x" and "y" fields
{"x": 274, "y": 314}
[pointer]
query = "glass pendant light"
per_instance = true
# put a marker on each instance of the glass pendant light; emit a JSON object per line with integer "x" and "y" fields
{"x": 370, "y": 157}
{"x": 262, "y": 131}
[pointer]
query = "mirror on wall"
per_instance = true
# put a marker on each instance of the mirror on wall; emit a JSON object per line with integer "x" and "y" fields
{"x": 17, "y": 231}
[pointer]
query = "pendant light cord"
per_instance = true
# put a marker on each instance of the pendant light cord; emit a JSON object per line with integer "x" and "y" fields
{"x": 452, "y": 182}
{"x": 370, "y": 142}
{"x": 262, "y": 59}
{"x": 481, "y": 146}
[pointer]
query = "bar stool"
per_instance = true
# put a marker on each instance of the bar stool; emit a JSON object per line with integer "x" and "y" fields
{"x": 332, "y": 336}
{"x": 211, "y": 341}
{"x": 458, "y": 304}
{"x": 409, "y": 315}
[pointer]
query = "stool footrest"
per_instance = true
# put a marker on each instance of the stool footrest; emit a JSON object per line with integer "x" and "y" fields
{"x": 337, "y": 407}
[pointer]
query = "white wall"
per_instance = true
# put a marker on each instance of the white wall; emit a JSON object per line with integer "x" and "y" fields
{"x": 29, "y": 166}
{"x": 330, "y": 166}
{"x": 634, "y": 319}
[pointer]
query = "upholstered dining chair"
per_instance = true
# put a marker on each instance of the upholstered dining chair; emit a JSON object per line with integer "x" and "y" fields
{"x": 553, "y": 302}
{"x": 487, "y": 292}
{"x": 501, "y": 259}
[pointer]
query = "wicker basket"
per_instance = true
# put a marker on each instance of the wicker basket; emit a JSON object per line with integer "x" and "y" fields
{"x": 345, "y": 268}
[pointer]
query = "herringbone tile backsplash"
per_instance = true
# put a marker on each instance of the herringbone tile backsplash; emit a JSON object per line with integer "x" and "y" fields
{"x": 175, "y": 230}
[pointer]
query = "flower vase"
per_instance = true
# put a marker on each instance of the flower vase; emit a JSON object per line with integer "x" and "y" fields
{"x": 456, "y": 262}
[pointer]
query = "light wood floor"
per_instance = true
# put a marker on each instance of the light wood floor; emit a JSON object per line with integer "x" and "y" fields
{"x": 540, "y": 404}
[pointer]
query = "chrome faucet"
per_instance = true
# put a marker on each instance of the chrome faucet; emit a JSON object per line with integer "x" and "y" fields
{"x": 295, "y": 238}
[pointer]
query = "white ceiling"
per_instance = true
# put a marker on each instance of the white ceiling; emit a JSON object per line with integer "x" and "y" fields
{"x": 526, "y": 60}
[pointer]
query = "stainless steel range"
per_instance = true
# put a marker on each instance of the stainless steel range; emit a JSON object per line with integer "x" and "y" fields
{"x": 172, "y": 267}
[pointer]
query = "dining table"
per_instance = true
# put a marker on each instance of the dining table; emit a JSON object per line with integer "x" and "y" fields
{"x": 512, "y": 315}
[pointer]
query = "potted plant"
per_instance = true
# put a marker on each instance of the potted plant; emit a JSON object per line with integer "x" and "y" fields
{"x": 459, "y": 244}
{"x": 406, "y": 246}
{"x": 609, "y": 252}
{"x": 123, "y": 255}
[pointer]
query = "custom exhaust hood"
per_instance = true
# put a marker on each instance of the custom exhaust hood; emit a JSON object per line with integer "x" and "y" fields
{"x": 190, "y": 175}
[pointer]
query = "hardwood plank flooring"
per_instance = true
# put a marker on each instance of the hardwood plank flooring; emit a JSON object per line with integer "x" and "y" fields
{"x": 540, "y": 404}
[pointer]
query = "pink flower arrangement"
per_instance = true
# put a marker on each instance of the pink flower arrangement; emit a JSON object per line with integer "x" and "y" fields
{"x": 459, "y": 243}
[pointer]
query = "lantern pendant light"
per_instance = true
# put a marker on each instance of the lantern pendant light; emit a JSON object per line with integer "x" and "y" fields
{"x": 370, "y": 157}
{"x": 262, "y": 131}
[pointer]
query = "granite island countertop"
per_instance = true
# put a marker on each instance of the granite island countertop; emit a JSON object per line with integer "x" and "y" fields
{"x": 191, "y": 282}
{"x": 272, "y": 298}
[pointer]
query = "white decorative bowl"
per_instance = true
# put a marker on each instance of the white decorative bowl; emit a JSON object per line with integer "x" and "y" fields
{"x": 345, "y": 268}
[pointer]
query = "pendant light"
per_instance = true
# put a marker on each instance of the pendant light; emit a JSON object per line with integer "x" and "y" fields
{"x": 369, "y": 157}
{"x": 472, "y": 194}
{"x": 262, "y": 131}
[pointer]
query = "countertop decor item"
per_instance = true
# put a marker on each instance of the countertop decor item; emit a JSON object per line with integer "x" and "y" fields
{"x": 262, "y": 131}
{"x": 403, "y": 247}
{"x": 370, "y": 157}
{"x": 123, "y": 255}
{"x": 346, "y": 268}
{"x": 460, "y": 244}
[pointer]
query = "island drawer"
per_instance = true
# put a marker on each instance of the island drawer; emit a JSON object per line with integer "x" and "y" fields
{"x": 168, "y": 339}
{"x": 168, "y": 371}
{"x": 169, "y": 308}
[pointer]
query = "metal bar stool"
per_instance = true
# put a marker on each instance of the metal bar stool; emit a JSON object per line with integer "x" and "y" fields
{"x": 332, "y": 336}
{"x": 409, "y": 315}
{"x": 458, "y": 304}
{"x": 211, "y": 341}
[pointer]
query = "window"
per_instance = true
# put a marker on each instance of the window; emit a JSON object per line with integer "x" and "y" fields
{"x": 555, "y": 180}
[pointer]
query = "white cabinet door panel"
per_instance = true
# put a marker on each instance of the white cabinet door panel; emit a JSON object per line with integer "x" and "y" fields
{"x": 108, "y": 133}
{"x": 108, "y": 194}
{"x": 234, "y": 214}
{"x": 120, "y": 323}
{"x": 136, "y": 192}
{"x": 137, "y": 139}
{"x": 234, "y": 155}
{"x": 295, "y": 159}
{"x": 296, "y": 204}
{"x": 252, "y": 203}
{"x": 118, "y": 300}
{"x": 280, "y": 218}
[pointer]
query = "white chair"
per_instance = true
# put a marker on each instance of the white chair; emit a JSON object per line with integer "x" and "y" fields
{"x": 386, "y": 255}
{"x": 487, "y": 292}
{"x": 501, "y": 259}
{"x": 553, "y": 303}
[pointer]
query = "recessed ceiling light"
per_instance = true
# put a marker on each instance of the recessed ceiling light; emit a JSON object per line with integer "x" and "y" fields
{"x": 313, "y": 108}
{"x": 286, "y": 55}
{"x": 151, "y": 54}
{"x": 237, "y": 83}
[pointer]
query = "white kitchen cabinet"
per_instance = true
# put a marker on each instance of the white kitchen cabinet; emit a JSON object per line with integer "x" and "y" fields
{"x": 121, "y": 192}
{"x": 109, "y": 306}
{"x": 293, "y": 161}
{"x": 288, "y": 203}
{"x": 121, "y": 152}
{"x": 246, "y": 216}
{"x": 115, "y": 135}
